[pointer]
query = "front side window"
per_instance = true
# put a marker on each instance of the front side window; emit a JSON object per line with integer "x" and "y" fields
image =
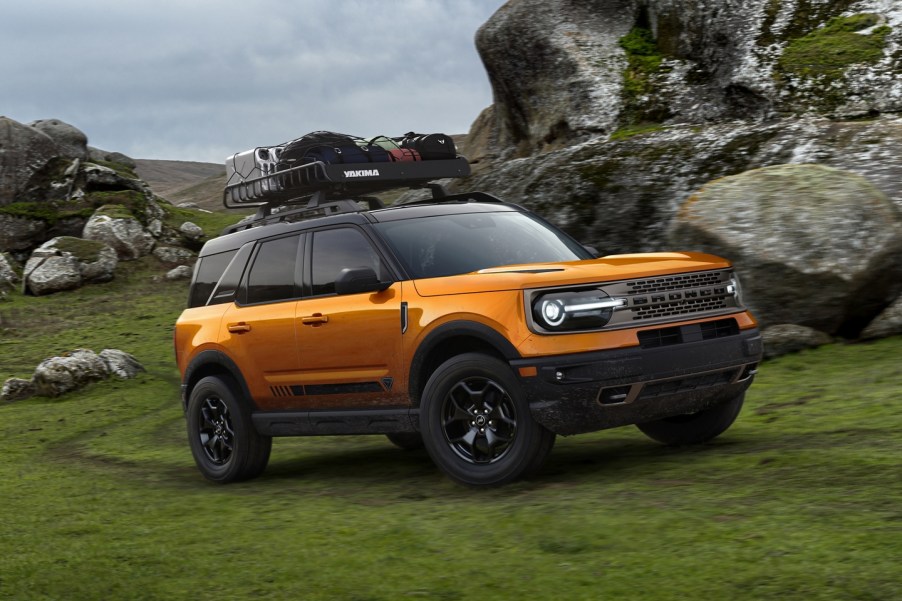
{"x": 335, "y": 250}
{"x": 272, "y": 276}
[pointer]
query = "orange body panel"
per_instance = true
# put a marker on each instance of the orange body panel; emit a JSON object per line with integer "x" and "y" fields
{"x": 357, "y": 340}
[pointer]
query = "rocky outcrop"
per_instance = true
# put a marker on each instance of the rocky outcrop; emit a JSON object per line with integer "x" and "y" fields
{"x": 608, "y": 116}
{"x": 57, "y": 376}
{"x": 556, "y": 71}
{"x": 23, "y": 152}
{"x": 96, "y": 154}
{"x": 815, "y": 246}
{"x": 58, "y": 183}
{"x": 564, "y": 71}
{"x": 65, "y": 263}
{"x": 117, "y": 227}
{"x": 70, "y": 141}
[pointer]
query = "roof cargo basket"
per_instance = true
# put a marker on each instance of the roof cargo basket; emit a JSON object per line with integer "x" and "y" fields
{"x": 299, "y": 184}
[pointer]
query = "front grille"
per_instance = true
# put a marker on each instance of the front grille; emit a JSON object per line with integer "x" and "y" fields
{"x": 675, "y": 296}
{"x": 674, "y": 282}
{"x": 686, "y": 307}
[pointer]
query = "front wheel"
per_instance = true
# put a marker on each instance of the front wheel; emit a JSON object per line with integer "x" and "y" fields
{"x": 476, "y": 425}
{"x": 225, "y": 445}
{"x": 694, "y": 428}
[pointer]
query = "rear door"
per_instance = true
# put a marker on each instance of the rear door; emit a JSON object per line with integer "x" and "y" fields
{"x": 258, "y": 329}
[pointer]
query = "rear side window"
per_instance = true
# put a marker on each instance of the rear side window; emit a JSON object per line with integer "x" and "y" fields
{"x": 272, "y": 276}
{"x": 208, "y": 271}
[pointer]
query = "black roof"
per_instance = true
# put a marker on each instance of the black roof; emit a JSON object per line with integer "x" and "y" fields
{"x": 476, "y": 202}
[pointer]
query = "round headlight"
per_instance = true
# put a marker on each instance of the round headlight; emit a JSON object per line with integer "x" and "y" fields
{"x": 574, "y": 310}
{"x": 553, "y": 312}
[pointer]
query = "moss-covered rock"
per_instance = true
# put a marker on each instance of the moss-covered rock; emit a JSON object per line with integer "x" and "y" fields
{"x": 815, "y": 246}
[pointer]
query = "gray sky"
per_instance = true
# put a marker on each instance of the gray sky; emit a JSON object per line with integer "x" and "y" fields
{"x": 201, "y": 79}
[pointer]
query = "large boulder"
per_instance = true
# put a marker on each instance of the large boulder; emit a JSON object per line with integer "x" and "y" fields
{"x": 561, "y": 71}
{"x": 64, "y": 263}
{"x": 19, "y": 233}
{"x": 71, "y": 142}
{"x": 888, "y": 323}
{"x": 117, "y": 227}
{"x": 58, "y": 375}
{"x": 24, "y": 151}
{"x": 555, "y": 69}
{"x": 621, "y": 195}
{"x": 814, "y": 246}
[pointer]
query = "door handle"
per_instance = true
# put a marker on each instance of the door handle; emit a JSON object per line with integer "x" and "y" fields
{"x": 239, "y": 328}
{"x": 317, "y": 319}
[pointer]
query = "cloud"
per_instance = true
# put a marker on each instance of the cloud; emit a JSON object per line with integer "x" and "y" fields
{"x": 201, "y": 80}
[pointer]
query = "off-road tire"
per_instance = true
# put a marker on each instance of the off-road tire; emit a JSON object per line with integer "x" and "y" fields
{"x": 476, "y": 424}
{"x": 694, "y": 428}
{"x": 224, "y": 443}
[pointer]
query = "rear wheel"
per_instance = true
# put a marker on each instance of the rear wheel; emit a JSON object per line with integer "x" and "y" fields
{"x": 476, "y": 425}
{"x": 694, "y": 428}
{"x": 225, "y": 445}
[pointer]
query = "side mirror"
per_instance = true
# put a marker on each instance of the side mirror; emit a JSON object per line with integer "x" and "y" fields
{"x": 354, "y": 280}
{"x": 592, "y": 250}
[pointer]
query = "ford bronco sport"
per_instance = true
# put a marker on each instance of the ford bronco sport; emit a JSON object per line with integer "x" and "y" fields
{"x": 460, "y": 323}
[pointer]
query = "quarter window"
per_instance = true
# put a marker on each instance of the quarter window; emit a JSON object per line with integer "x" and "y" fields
{"x": 208, "y": 271}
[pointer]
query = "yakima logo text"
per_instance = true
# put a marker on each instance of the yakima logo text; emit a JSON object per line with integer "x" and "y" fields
{"x": 362, "y": 173}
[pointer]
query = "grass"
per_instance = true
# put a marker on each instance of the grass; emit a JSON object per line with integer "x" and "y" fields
{"x": 801, "y": 499}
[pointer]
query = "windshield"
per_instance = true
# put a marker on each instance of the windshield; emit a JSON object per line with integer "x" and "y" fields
{"x": 444, "y": 245}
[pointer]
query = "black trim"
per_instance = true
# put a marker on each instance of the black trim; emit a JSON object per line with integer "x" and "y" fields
{"x": 450, "y": 330}
{"x": 212, "y": 357}
{"x": 593, "y": 391}
{"x": 321, "y": 423}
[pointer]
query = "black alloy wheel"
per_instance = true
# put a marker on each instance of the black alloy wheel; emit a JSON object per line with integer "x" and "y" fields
{"x": 479, "y": 420}
{"x": 476, "y": 424}
{"x": 225, "y": 445}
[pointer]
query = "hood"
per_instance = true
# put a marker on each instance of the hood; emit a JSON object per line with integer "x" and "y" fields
{"x": 613, "y": 268}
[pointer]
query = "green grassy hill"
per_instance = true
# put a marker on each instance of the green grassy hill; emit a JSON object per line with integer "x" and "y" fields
{"x": 801, "y": 499}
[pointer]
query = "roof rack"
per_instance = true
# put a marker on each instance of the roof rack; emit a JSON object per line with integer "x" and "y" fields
{"x": 326, "y": 189}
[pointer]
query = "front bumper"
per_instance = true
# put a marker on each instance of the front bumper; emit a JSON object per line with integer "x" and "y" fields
{"x": 584, "y": 392}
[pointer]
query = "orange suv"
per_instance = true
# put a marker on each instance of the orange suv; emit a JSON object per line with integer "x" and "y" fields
{"x": 460, "y": 323}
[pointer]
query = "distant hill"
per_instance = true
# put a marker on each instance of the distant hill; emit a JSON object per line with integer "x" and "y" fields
{"x": 185, "y": 181}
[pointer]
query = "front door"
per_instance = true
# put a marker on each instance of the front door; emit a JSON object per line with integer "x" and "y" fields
{"x": 349, "y": 346}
